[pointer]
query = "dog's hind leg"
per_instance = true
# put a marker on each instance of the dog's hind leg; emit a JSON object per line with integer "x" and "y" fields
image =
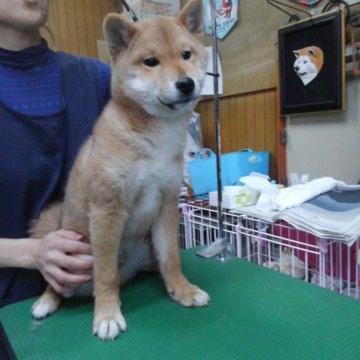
{"x": 165, "y": 240}
{"x": 47, "y": 304}
{"x": 105, "y": 229}
{"x": 49, "y": 220}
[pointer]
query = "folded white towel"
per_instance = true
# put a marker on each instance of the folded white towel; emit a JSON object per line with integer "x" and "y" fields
{"x": 268, "y": 191}
{"x": 297, "y": 194}
{"x": 272, "y": 198}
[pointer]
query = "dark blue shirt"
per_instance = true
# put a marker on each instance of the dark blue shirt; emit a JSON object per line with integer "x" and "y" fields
{"x": 48, "y": 105}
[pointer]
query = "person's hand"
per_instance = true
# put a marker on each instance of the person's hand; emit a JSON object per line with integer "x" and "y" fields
{"x": 64, "y": 260}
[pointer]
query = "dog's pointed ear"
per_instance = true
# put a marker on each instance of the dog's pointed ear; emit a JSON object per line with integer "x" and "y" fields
{"x": 296, "y": 53}
{"x": 192, "y": 17}
{"x": 118, "y": 32}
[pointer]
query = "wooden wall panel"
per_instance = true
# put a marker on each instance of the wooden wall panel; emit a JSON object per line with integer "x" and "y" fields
{"x": 76, "y": 25}
{"x": 248, "y": 53}
{"x": 247, "y": 121}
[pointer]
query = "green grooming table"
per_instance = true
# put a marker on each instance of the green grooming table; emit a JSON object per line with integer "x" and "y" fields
{"x": 255, "y": 313}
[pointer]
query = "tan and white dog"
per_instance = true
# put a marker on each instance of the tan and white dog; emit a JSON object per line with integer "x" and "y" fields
{"x": 125, "y": 182}
{"x": 308, "y": 63}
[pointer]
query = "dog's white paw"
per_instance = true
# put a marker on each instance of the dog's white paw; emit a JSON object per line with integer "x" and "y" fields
{"x": 201, "y": 298}
{"x": 44, "y": 307}
{"x": 190, "y": 295}
{"x": 109, "y": 328}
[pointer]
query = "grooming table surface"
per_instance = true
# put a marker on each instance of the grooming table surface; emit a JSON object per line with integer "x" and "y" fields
{"x": 255, "y": 313}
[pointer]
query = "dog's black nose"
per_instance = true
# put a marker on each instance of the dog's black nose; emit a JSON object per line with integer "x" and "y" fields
{"x": 296, "y": 68}
{"x": 186, "y": 85}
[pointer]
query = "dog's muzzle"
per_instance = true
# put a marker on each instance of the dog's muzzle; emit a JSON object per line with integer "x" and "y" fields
{"x": 186, "y": 93}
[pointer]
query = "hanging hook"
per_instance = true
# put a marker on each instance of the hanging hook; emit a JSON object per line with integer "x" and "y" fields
{"x": 130, "y": 11}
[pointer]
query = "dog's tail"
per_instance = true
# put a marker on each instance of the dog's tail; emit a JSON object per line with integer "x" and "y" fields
{"x": 49, "y": 220}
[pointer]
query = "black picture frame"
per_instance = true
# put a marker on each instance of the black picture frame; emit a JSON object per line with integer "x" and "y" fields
{"x": 326, "y": 91}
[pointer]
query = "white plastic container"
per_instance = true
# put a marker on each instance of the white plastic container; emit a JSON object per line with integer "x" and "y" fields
{"x": 234, "y": 197}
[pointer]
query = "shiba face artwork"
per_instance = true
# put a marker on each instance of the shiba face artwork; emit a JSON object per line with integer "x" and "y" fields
{"x": 308, "y": 63}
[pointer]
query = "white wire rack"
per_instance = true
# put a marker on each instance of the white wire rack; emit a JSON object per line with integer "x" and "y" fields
{"x": 278, "y": 246}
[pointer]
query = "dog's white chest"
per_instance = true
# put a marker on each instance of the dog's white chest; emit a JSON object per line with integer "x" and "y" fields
{"x": 152, "y": 182}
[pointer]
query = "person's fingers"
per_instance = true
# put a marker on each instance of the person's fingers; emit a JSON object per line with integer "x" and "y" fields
{"x": 77, "y": 263}
{"x": 65, "y": 282}
{"x": 71, "y": 235}
{"x": 71, "y": 242}
{"x": 77, "y": 247}
{"x": 65, "y": 260}
{"x": 68, "y": 242}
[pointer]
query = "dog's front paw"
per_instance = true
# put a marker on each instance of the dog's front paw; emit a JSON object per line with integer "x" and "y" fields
{"x": 201, "y": 298}
{"x": 190, "y": 295}
{"x": 109, "y": 327}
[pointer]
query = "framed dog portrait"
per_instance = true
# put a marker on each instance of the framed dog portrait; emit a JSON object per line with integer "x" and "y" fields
{"x": 311, "y": 64}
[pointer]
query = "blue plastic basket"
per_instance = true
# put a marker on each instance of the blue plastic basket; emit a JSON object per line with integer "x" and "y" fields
{"x": 202, "y": 171}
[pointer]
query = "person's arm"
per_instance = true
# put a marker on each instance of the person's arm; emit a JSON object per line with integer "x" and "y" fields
{"x": 18, "y": 253}
{"x": 58, "y": 256}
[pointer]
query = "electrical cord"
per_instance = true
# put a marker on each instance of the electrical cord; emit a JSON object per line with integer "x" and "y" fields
{"x": 354, "y": 21}
{"x": 338, "y": 3}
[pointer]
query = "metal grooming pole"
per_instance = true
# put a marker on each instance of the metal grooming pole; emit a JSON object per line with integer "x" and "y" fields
{"x": 221, "y": 247}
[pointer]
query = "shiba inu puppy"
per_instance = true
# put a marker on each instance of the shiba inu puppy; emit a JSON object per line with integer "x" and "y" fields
{"x": 125, "y": 182}
{"x": 308, "y": 63}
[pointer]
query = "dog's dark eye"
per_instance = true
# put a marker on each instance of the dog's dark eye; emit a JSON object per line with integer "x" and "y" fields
{"x": 186, "y": 55}
{"x": 151, "y": 62}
